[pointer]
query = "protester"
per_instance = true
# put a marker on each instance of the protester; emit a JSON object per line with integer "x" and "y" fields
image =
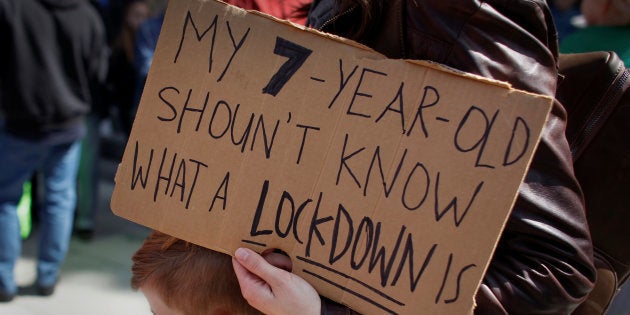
{"x": 178, "y": 277}
{"x": 53, "y": 58}
{"x": 88, "y": 174}
{"x": 122, "y": 77}
{"x": 543, "y": 262}
{"x": 144, "y": 48}
{"x": 607, "y": 29}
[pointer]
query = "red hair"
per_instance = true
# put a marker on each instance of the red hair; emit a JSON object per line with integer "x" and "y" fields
{"x": 188, "y": 277}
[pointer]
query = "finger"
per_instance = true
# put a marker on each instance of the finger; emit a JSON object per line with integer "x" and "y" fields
{"x": 257, "y": 265}
{"x": 245, "y": 278}
{"x": 255, "y": 291}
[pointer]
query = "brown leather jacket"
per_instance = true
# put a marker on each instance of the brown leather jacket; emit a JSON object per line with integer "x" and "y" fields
{"x": 543, "y": 263}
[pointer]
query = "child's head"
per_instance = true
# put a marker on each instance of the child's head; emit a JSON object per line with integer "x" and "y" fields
{"x": 180, "y": 278}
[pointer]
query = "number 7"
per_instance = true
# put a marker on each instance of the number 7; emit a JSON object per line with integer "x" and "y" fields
{"x": 297, "y": 56}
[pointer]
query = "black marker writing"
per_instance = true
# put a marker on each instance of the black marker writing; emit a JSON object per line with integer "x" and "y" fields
{"x": 400, "y": 111}
{"x": 180, "y": 181}
{"x": 417, "y": 179}
{"x": 430, "y": 98}
{"x": 136, "y": 173}
{"x": 303, "y": 143}
{"x": 176, "y": 176}
{"x": 362, "y": 244}
{"x": 342, "y": 81}
{"x": 213, "y": 41}
{"x": 358, "y": 92}
{"x": 396, "y": 104}
{"x": 223, "y": 119}
{"x": 297, "y": 56}
{"x": 523, "y": 125}
{"x": 477, "y": 125}
{"x": 222, "y": 192}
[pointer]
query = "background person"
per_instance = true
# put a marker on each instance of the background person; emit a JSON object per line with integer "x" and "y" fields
{"x": 53, "y": 59}
{"x": 119, "y": 90}
{"x": 122, "y": 76}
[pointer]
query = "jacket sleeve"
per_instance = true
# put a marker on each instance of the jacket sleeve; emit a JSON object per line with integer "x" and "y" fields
{"x": 543, "y": 263}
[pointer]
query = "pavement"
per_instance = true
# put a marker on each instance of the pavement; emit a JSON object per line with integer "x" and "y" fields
{"x": 95, "y": 276}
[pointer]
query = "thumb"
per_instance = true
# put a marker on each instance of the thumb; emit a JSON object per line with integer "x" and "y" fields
{"x": 257, "y": 265}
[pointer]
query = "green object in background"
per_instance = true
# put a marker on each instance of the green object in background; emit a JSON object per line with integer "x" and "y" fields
{"x": 24, "y": 211}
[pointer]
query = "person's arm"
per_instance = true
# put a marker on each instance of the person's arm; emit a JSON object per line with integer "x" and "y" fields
{"x": 271, "y": 289}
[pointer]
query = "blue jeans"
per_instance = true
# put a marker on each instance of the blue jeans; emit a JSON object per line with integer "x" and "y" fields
{"x": 58, "y": 163}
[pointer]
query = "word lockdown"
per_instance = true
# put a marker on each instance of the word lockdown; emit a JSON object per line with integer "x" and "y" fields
{"x": 358, "y": 243}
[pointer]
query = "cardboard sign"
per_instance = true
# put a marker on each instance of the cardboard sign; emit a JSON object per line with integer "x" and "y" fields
{"x": 388, "y": 182}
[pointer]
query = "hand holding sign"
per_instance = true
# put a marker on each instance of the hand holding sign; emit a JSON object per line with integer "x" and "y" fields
{"x": 273, "y": 290}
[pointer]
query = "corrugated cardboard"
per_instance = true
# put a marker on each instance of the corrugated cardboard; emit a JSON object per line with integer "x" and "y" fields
{"x": 388, "y": 182}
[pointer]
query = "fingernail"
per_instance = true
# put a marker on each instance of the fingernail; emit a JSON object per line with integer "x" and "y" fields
{"x": 241, "y": 254}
